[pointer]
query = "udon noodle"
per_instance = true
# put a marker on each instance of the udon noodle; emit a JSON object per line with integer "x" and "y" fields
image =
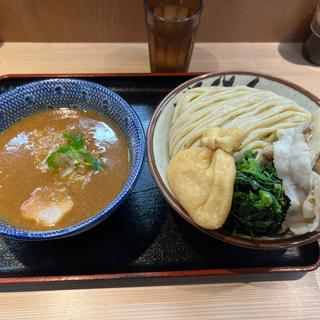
{"x": 259, "y": 113}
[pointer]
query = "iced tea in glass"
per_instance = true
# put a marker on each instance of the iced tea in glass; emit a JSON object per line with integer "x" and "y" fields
{"x": 171, "y": 27}
{"x": 311, "y": 47}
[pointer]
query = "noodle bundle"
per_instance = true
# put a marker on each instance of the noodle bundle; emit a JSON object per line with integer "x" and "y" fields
{"x": 258, "y": 113}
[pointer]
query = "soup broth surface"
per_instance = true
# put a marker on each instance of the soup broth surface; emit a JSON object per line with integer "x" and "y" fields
{"x": 26, "y": 182}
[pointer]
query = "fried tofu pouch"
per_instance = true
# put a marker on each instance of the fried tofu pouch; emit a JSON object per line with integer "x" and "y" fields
{"x": 227, "y": 139}
{"x": 203, "y": 180}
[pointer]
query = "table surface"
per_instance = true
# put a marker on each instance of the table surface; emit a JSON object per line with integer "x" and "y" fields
{"x": 276, "y": 296}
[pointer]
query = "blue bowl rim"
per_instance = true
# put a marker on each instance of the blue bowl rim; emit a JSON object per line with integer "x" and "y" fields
{"x": 92, "y": 221}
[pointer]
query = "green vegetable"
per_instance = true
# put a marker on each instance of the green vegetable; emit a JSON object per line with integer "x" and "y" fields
{"x": 259, "y": 204}
{"x": 73, "y": 153}
{"x": 76, "y": 141}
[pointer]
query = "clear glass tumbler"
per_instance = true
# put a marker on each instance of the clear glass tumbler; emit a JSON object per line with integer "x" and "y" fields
{"x": 311, "y": 47}
{"x": 171, "y": 27}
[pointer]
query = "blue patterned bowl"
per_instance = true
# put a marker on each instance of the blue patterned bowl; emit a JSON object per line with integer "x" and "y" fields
{"x": 72, "y": 93}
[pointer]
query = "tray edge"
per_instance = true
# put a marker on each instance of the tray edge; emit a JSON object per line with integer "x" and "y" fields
{"x": 160, "y": 274}
{"x": 137, "y": 275}
{"x": 91, "y": 75}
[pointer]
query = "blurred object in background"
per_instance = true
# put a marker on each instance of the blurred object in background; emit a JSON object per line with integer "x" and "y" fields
{"x": 171, "y": 27}
{"x": 311, "y": 47}
{"x": 123, "y": 21}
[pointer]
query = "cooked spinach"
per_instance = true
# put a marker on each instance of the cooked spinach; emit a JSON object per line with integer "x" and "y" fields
{"x": 259, "y": 204}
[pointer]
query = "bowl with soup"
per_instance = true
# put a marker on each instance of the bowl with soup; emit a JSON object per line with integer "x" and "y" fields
{"x": 70, "y": 152}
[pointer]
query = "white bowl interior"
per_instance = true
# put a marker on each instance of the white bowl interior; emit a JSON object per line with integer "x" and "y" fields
{"x": 161, "y": 131}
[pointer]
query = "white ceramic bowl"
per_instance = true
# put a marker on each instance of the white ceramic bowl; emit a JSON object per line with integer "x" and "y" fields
{"x": 158, "y": 138}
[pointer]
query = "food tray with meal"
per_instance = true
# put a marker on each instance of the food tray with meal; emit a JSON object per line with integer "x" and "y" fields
{"x": 144, "y": 237}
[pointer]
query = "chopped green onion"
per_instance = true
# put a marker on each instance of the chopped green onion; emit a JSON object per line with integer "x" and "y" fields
{"x": 72, "y": 153}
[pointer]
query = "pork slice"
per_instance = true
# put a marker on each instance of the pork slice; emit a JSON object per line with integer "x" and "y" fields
{"x": 292, "y": 161}
{"x": 314, "y": 139}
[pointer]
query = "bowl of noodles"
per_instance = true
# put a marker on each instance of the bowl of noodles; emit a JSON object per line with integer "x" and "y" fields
{"x": 236, "y": 154}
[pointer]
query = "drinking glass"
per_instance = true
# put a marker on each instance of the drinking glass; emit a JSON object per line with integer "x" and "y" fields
{"x": 171, "y": 27}
{"x": 311, "y": 47}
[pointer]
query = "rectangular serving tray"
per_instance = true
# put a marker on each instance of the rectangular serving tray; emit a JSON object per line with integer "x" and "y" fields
{"x": 144, "y": 237}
